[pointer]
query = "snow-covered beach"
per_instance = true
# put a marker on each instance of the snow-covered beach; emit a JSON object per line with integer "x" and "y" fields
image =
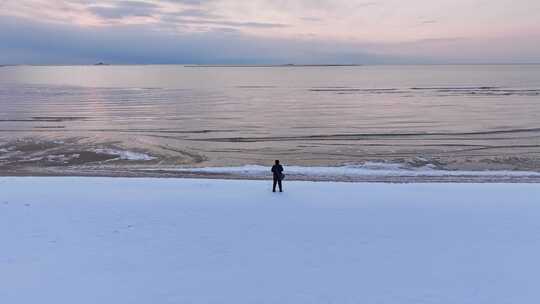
{"x": 121, "y": 240}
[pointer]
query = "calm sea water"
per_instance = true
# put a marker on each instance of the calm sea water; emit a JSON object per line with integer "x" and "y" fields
{"x": 452, "y": 116}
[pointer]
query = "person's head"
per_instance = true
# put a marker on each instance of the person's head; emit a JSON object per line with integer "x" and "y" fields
{"x": 277, "y": 162}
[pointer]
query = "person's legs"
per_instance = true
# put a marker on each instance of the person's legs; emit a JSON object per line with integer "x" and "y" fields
{"x": 280, "y": 187}
{"x": 274, "y": 186}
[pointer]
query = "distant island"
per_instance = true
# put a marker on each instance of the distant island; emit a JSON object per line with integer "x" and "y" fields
{"x": 267, "y": 65}
{"x": 101, "y": 63}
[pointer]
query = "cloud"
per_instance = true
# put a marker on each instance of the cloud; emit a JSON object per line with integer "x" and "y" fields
{"x": 175, "y": 19}
{"x": 122, "y": 9}
{"x": 195, "y": 12}
{"x": 189, "y": 2}
{"x": 31, "y": 42}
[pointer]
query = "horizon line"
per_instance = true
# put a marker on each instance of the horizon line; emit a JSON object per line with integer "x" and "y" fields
{"x": 195, "y": 65}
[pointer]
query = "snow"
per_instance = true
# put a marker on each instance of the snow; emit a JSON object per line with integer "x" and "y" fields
{"x": 121, "y": 240}
{"x": 366, "y": 169}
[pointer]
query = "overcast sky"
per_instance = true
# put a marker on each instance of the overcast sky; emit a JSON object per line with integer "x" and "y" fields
{"x": 269, "y": 31}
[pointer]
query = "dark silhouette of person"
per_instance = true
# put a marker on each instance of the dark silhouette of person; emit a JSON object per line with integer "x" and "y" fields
{"x": 277, "y": 170}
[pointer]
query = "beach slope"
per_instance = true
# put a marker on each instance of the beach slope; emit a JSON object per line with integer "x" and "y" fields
{"x": 120, "y": 240}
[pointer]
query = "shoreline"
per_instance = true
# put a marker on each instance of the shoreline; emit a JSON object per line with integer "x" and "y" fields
{"x": 76, "y": 157}
{"x": 170, "y": 174}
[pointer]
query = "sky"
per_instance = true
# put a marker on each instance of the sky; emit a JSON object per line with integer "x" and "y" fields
{"x": 269, "y": 31}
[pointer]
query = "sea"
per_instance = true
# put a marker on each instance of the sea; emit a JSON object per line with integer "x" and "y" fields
{"x": 108, "y": 120}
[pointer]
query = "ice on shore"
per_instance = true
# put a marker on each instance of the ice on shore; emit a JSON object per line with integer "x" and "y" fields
{"x": 121, "y": 240}
{"x": 366, "y": 169}
{"x": 125, "y": 155}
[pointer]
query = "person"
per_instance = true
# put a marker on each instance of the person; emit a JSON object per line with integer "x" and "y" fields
{"x": 277, "y": 171}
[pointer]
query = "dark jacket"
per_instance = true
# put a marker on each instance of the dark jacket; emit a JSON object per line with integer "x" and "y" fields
{"x": 277, "y": 170}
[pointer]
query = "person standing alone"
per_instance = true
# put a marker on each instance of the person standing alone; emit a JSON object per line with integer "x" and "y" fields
{"x": 277, "y": 171}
